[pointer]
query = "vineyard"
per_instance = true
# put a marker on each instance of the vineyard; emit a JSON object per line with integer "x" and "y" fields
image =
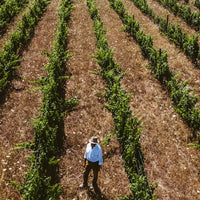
{"x": 126, "y": 71}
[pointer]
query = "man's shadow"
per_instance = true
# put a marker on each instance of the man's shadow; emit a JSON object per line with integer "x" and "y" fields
{"x": 96, "y": 194}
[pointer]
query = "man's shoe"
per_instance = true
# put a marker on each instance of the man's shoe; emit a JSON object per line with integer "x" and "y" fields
{"x": 83, "y": 186}
{"x": 96, "y": 189}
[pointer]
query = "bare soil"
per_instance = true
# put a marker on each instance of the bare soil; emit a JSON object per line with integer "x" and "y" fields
{"x": 169, "y": 160}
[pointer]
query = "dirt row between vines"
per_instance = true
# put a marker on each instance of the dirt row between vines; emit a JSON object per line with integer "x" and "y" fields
{"x": 169, "y": 161}
{"x": 22, "y": 105}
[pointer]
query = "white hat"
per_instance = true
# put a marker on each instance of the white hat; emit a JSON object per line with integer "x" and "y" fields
{"x": 94, "y": 140}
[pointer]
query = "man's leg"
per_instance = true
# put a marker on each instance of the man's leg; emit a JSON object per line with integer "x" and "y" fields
{"x": 86, "y": 173}
{"x": 96, "y": 168}
{"x": 94, "y": 182}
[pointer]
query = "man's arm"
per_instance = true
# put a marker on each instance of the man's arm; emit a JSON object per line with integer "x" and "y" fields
{"x": 84, "y": 162}
{"x": 85, "y": 156}
{"x": 100, "y": 156}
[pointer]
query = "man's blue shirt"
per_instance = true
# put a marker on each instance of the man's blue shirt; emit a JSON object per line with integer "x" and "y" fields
{"x": 94, "y": 154}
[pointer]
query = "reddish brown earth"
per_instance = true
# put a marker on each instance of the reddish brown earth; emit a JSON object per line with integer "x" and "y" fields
{"x": 169, "y": 160}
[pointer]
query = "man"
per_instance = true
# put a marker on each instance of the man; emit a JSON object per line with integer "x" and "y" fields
{"x": 92, "y": 160}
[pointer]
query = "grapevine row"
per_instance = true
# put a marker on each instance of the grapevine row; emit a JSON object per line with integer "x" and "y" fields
{"x": 197, "y": 3}
{"x": 8, "y": 10}
{"x": 9, "y": 56}
{"x": 183, "y": 11}
{"x": 186, "y": 42}
{"x": 183, "y": 101}
{"x": 39, "y": 180}
{"x": 2, "y": 2}
{"x": 127, "y": 127}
